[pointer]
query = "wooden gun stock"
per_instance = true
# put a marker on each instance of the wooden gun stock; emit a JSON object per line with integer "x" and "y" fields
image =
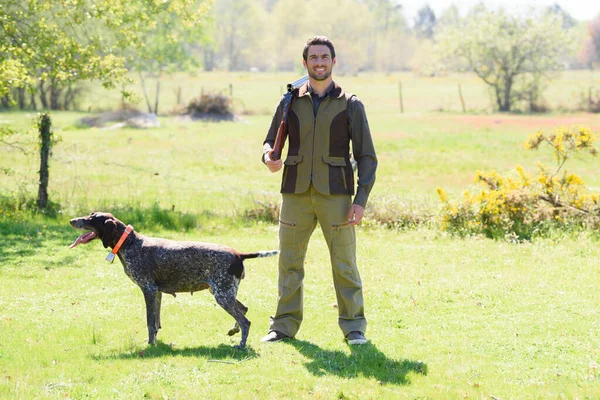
{"x": 277, "y": 151}
{"x": 279, "y": 141}
{"x": 281, "y": 133}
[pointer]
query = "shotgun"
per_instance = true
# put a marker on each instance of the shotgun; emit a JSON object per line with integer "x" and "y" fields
{"x": 275, "y": 154}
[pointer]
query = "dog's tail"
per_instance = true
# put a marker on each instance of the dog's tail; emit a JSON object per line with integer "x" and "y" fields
{"x": 258, "y": 254}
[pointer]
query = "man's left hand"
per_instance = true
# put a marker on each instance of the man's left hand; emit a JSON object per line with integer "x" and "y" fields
{"x": 355, "y": 214}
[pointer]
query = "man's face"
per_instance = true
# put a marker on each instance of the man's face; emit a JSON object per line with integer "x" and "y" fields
{"x": 319, "y": 63}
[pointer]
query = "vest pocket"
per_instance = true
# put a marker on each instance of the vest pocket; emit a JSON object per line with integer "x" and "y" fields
{"x": 293, "y": 160}
{"x": 337, "y": 174}
{"x": 334, "y": 161}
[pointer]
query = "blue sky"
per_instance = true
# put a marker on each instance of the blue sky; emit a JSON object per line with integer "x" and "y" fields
{"x": 579, "y": 9}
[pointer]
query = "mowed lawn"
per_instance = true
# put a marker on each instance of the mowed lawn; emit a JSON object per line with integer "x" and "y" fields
{"x": 448, "y": 318}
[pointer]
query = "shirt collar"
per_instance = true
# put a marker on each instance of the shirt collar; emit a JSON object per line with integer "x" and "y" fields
{"x": 327, "y": 91}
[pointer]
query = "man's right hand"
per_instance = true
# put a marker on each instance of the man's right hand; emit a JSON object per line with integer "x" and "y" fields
{"x": 273, "y": 165}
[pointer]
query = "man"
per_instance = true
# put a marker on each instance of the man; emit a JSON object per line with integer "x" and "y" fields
{"x": 317, "y": 186}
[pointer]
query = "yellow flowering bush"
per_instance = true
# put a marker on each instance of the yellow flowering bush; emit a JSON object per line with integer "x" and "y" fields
{"x": 518, "y": 206}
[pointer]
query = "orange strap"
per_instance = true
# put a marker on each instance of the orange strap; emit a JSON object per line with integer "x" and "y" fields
{"x": 128, "y": 230}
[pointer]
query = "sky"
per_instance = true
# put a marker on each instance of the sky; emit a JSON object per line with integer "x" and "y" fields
{"x": 584, "y": 10}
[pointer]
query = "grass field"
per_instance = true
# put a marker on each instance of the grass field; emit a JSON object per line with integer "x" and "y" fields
{"x": 448, "y": 318}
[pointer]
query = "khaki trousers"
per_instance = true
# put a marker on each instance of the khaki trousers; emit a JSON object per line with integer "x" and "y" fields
{"x": 298, "y": 219}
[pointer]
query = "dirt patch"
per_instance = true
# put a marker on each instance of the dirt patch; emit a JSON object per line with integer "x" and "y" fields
{"x": 531, "y": 122}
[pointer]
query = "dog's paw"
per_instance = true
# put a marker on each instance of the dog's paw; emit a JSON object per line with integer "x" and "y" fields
{"x": 233, "y": 331}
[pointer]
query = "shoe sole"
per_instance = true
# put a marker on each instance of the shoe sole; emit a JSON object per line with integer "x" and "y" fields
{"x": 274, "y": 341}
{"x": 357, "y": 341}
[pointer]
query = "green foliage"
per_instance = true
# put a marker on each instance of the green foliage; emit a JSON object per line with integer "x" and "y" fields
{"x": 71, "y": 41}
{"x": 43, "y": 40}
{"x": 524, "y": 206}
{"x": 512, "y": 54}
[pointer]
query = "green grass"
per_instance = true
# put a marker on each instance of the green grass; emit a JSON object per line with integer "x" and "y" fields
{"x": 448, "y": 318}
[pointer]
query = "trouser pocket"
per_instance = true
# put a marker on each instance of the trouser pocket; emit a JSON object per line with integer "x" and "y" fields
{"x": 287, "y": 232}
{"x": 343, "y": 252}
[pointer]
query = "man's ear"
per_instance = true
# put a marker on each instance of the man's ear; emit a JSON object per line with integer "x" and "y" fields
{"x": 334, "y": 60}
{"x": 304, "y": 63}
{"x": 110, "y": 232}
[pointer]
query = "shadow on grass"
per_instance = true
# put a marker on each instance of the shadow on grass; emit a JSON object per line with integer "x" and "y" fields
{"x": 25, "y": 238}
{"x": 222, "y": 353}
{"x": 364, "y": 361}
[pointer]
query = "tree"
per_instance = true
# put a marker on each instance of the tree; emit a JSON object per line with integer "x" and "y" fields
{"x": 44, "y": 43}
{"x": 49, "y": 45}
{"x": 513, "y": 55}
{"x": 568, "y": 21}
{"x": 64, "y": 42}
{"x": 591, "y": 51}
{"x": 238, "y": 33}
{"x": 166, "y": 45}
{"x": 425, "y": 22}
{"x": 449, "y": 16}
{"x": 388, "y": 28}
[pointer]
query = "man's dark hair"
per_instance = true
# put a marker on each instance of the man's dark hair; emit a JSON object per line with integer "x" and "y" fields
{"x": 317, "y": 40}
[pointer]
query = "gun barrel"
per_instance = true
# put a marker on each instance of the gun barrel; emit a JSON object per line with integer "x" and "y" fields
{"x": 297, "y": 83}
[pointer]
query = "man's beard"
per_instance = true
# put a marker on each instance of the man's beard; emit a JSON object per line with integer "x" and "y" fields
{"x": 316, "y": 77}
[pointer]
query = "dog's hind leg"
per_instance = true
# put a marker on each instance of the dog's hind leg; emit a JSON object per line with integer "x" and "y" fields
{"x": 230, "y": 304}
{"x": 236, "y": 327}
{"x": 150, "y": 296}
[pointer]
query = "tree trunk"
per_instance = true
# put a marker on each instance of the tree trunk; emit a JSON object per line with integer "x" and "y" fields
{"x": 33, "y": 103}
{"x": 44, "y": 125}
{"x": 506, "y": 101}
{"x": 69, "y": 100}
{"x": 498, "y": 93}
{"x": 43, "y": 98}
{"x": 5, "y": 101}
{"x": 21, "y": 98}
{"x": 157, "y": 92}
{"x": 55, "y": 91}
{"x": 143, "y": 82}
{"x": 209, "y": 58}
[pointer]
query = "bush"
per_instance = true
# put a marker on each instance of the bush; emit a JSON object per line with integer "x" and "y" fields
{"x": 264, "y": 211}
{"x": 210, "y": 106}
{"x": 397, "y": 215}
{"x": 522, "y": 206}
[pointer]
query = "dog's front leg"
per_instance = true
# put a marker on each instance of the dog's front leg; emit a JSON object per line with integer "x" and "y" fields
{"x": 150, "y": 296}
{"x": 158, "y": 304}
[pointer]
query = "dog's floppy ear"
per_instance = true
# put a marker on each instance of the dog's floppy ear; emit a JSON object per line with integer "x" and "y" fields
{"x": 110, "y": 232}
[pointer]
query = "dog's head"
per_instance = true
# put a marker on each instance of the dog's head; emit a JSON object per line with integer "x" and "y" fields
{"x": 98, "y": 225}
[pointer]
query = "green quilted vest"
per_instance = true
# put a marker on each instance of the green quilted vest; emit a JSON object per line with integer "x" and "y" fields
{"x": 318, "y": 148}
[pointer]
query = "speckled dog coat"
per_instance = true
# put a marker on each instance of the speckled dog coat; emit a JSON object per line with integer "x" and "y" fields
{"x": 166, "y": 266}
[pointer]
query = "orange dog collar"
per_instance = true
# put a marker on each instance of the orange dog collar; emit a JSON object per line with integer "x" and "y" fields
{"x": 111, "y": 256}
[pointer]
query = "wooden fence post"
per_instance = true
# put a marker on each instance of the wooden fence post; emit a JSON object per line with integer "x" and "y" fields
{"x": 44, "y": 125}
{"x": 400, "y": 96}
